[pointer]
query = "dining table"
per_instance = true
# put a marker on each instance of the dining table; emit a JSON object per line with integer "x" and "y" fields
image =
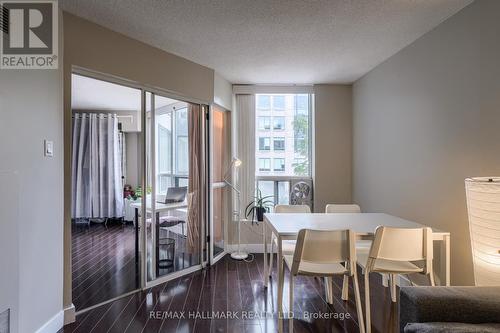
{"x": 286, "y": 226}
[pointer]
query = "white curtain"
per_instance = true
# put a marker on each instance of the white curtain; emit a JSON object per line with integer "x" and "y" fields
{"x": 96, "y": 167}
{"x": 245, "y": 113}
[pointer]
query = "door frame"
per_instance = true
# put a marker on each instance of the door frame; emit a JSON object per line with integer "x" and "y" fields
{"x": 144, "y": 88}
{"x": 216, "y": 185}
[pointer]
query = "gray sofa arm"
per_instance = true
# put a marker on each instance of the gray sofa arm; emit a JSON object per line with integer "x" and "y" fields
{"x": 473, "y": 305}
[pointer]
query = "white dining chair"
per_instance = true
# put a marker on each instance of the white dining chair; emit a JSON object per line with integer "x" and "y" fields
{"x": 288, "y": 246}
{"x": 361, "y": 245}
{"x": 323, "y": 253}
{"x": 397, "y": 251}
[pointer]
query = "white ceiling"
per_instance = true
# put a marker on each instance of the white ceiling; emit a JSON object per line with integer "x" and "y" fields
{"x": 98, "y": 95}
{"x": 278, "y": 41}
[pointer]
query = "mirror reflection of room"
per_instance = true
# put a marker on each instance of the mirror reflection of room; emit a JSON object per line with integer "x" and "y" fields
{"x": 106, "y": 177}
{"x": 173, "y": 222}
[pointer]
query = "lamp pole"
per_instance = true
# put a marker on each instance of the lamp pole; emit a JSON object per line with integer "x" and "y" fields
{"x": 238, "y": 255}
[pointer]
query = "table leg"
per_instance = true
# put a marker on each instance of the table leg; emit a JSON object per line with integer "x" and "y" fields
{"x": 136, "y": 220}
{"x": 447, "y": 258}
{"x": 157, "y": 245}
{"x": 266, "y": 273}
{"x": 281, "y": 274}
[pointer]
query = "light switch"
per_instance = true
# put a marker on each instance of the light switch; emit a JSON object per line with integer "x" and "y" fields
{"x": 49, "y": 148}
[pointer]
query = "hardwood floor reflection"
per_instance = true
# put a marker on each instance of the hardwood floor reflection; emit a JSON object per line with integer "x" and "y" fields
{"x": 197, "y": 302}
{"x": 103, "y": 262}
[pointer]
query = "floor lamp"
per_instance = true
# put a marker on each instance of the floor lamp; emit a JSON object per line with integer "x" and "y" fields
{"x": 235, "y": 163}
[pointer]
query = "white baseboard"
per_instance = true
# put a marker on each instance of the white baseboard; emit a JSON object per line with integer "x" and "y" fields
{"x": 54, "y": 324}
{"x": 69, "y": 314}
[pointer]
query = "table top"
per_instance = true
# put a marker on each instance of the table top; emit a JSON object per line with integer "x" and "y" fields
{"x": 289, "y": 224}
{"x": 159, "y": 207}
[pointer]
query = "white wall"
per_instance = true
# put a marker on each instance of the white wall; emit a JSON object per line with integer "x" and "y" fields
{"x": 332, "y": 144}
{"x": 223, "y": 92}
{"x": 428, "y": 118}
{"x": 31, "y": 111}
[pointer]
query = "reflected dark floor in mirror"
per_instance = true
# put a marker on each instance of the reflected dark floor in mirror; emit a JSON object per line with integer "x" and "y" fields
{"x": 103, "y": 262}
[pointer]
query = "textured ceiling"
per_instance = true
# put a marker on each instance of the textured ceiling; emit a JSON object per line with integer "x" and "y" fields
{"x": 278, "y": 41}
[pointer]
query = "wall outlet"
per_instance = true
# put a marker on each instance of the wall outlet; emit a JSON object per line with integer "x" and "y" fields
{"x": 48, "y": 148}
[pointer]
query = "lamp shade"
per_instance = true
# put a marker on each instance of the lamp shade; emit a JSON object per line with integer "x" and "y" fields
{"x": 483, "y": 206}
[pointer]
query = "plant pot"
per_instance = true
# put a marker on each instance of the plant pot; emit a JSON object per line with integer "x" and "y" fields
{"x": 259, "y": 212}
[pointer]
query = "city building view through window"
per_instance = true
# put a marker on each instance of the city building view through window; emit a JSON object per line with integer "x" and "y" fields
{"x": 283, "y": 131}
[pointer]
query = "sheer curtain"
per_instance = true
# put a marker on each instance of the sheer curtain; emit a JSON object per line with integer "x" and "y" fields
{"x": 96, "y": 167}
{"x": 245, "y": 108}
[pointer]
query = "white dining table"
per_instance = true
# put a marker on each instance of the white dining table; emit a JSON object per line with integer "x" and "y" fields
{"x": 287, "y": 226}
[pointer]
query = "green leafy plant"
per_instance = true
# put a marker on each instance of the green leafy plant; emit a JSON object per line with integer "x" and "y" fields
{"x": 258, "y": 206}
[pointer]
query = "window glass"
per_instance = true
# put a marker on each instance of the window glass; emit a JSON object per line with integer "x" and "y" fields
{"x": 278, "y": 103}
{"x": 278, "y": 123}
{"x": 289, "y": 132}
{"x": 265, "y": 143}
{"x": 164, "y": 148}
{"x": 302, "y": 104}
{"x": 264, "y": 123}
{"x": 284, "y": 192}
{"x": 264, "y": 164}
{"x": 263, "y": 102}
{"x": 279, "y": 143}
{"x": 279, "y": 164}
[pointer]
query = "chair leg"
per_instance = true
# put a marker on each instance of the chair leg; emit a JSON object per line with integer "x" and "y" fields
{"x": 367, "y": 302}
{"x": 290, "y": 306}
{"x": 359, "y": 306}
{"x": 328, "y": 282}
{"x": 345, "y": 288}
{"x": 281, "y": 283}
{"x": 431, "y": 278}
{"x": 271, "y": 258}
{"x": 385, "y": 280}
{"x": 392, "y": 283}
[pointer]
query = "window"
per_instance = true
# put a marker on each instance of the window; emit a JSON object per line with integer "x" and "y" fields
{"x": 302, "y": 104}
{"x": 279, "y": 123}
{"x": 263, "y": 102}
{"x": 172, "y": 149}
{"x": 279, "y": 143}
{"x": 286, "y": 150}
{"x": 278, "y": 103}
{"x": 264, "y": 164}
{"x": 265, "y": 143}
{"x": 264, "y": 123}
{"x": 279, "y": 164}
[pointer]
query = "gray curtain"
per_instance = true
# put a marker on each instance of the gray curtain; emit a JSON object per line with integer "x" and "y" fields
{"x": 96, "y": 167}
{"x": 245, "y": 175}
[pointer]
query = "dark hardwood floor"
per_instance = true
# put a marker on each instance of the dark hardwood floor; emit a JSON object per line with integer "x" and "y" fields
{"x": 103, "y": 262}
{"x": 191, "y": 303}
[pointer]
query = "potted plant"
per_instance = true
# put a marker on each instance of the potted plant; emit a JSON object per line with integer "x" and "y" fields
{"x": 258, "y": 206}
